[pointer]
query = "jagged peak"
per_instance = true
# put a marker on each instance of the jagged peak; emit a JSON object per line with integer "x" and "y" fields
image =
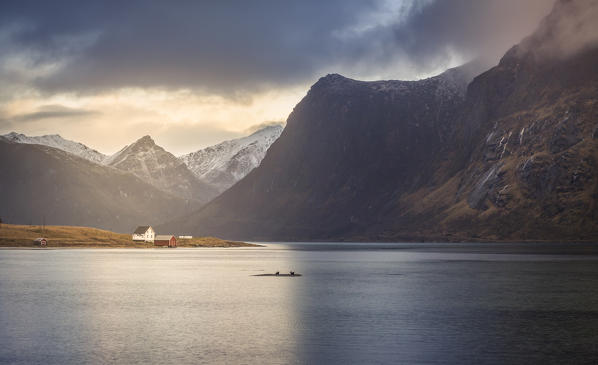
{"x": 275, "y": 128}
{"x": 332, "y": 79}
{"x": 147, "y": 139}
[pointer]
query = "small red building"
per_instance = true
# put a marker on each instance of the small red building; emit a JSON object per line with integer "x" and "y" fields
{"x": 165, "y": 240}
{"x": 41, "y": 242}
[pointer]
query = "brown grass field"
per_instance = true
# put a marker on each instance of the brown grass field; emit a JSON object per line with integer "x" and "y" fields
{"x": 12, "y": 235}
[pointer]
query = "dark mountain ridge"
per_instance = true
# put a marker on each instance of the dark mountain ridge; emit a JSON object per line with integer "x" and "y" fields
{"x": 512, "y": 158}
{"x": 344, "y": 153}
{"x": 40, "y": 183}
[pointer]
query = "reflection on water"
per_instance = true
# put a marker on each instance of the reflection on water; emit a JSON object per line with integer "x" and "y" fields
{"x": 356, "y": 303}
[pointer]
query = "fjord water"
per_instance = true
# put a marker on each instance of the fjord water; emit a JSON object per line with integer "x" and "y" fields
{"x": 355, "y": 303}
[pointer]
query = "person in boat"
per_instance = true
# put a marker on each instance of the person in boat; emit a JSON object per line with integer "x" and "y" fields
{"x": 277, "y": 273}
{"x": 292, "y": 273}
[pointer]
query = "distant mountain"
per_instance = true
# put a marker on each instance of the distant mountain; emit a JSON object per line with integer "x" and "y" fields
{"x": 56, "y": 141}
{"x": 215, "y": 168}
{"x": 511, "y": 155}
{"x": 226, "y": 163}
{"x": 162, "y": 169}
{"x": 40, "y": 183}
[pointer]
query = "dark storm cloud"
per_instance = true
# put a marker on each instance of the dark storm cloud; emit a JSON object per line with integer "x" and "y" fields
{"x": 53, "y": 111}
{"x": 471, "y": 28}
{"x": 229, "y": 47}
{"x": 221, "y": 45}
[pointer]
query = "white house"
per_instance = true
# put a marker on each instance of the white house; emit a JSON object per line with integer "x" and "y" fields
{"x": 144, "y": 233}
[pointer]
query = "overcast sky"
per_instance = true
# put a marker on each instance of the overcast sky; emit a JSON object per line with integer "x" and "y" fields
{"x": 194, "y": 73}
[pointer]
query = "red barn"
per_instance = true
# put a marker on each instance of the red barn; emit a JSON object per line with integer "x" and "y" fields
{"x": 165, "y": 240}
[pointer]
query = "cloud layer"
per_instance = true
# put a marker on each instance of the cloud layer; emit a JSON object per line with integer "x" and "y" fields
{"x": 193, "y": 72}
{"x": 231, "y": 46}
{"x": 53, "y": 112}
{"x": 483, "y": 29}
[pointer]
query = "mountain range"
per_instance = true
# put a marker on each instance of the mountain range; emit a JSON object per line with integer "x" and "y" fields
{"x": 41, "y": 184}
{"x": 140, "y": 183}
{"x": 510, "y": 155}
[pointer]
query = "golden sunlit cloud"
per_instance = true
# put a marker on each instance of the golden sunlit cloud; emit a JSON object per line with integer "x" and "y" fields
{"x": 181, "y": 120}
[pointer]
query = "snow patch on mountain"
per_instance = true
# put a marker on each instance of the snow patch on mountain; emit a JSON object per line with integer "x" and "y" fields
{"x": 56, "y": 141}
{"x": 224, "y": 164}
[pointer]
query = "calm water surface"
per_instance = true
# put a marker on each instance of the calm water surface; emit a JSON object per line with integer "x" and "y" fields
{"x": 355, "y": 303}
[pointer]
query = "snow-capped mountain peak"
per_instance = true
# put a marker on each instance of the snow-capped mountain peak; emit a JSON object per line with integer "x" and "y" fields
{"x": 153, "y": 164}
{"x": 56, "y": 141}
{"x": 224, "y": 164}
{"x": 140, "y": 147}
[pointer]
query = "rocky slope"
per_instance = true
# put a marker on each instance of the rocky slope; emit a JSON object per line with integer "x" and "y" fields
{"x": 38, "y": 182}
{"x": 512, "y": 158}
{"x": 224, "y": 164}
{"x": 154, "y": 165}
{"x": 531, "y": 173}
{"x": 56, "y": 141}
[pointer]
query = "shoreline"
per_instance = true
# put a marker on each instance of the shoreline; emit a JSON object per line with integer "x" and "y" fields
{"x": 24, "y": 236}
{"x": 7, "y": 248}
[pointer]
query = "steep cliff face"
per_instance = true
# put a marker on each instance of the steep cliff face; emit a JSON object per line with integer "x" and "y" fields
{"x": 532, "y": 170}
{"x": 348, "y": 149}
{"x": 512, "y": 158}
{"x": 529, "y": 123}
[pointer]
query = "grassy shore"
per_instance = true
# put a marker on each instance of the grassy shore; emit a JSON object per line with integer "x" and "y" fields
{"x": 12, "y": 235}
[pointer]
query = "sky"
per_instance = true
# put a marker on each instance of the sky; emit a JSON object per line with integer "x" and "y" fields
{"x": 194, "y": 73}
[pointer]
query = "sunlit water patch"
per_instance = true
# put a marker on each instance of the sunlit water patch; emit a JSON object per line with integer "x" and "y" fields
{"x": 354, "y": 303}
